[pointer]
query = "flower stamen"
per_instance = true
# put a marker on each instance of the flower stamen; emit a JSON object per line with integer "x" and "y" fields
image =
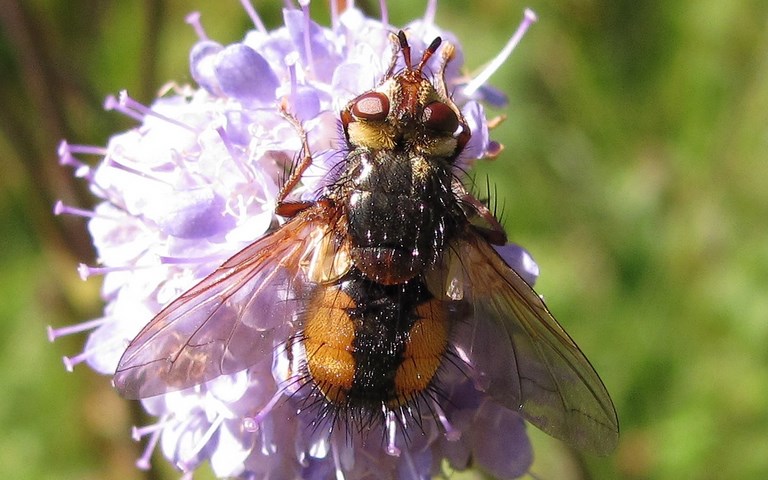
{"x": 307, "y": 35}
{"x": 430, "y": 12}
{"x": 138, "y": 111}
{"x": 290, "y": 61}
{"x": 71, "y": 362}
{"x": 154, "y": 431}
{"x": 390, "y": 423}
{"x": 451, "y": 433}
{"x": 234, "y": 154}
{"x": 251, "y": 424}
{"x": 112, "y": 103}
{"x": 528, "y": 19}
{"x": 67, "y": 149}
{"x": 110, "y": 161}
{"x": 166, "y": 260}
{"x": 254, "y": 16}
{"x": 138, "y": 432}
{"x": 336, "y": 461}
{"x": 60, "y": 208}
{"x": 66, "y": 158}
{"x": 188, "y": 464}
{"x": 54, "y": 333}
{"x": 384, "y": 13}
{"x": 86, "y": 271}
{"x": 193, "y": 19}
{"x": 334, "y": 16}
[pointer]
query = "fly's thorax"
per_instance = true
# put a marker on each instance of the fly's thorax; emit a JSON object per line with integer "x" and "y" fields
{"x": 401, "y": 213}
{"x": 370, "y": 345}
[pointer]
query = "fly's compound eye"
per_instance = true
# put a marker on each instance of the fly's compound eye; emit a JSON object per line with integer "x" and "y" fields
{"x": 440, "y": 117}
{"x": 371, "y": 106}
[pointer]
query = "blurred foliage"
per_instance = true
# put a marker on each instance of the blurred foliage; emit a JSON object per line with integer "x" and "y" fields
{"x": 635, "y": 171}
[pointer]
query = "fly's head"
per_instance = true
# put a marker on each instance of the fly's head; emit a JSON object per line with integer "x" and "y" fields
{"x": 409, "y": 112}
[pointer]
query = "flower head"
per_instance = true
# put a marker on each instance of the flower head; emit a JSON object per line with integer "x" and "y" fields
{"x": 197, "y": 181}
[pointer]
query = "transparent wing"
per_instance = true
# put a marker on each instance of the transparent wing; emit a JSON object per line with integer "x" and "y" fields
{"x": 522, "y": 357}
{"x": 233, "y": 318}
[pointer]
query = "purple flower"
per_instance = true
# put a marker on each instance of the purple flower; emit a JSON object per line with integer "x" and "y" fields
{"x": 196, "y": 181}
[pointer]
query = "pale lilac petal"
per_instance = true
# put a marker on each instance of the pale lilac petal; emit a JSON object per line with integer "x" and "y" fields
{"x": 233, "y": 448}
{"x": 202, "y": 65}
{"x": 245, "y": 75}
{"x": 193, "y": 214}
{"x": 491, "y": 96}
{"x": 318, "y": 54}
{"x": 477, "y": 147}
{"x": 520, "y": 260}
{"x": 500, "y": 445}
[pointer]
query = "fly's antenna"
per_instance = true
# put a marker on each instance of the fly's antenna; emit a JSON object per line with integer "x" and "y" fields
{"x": 431, "y": 49}
{"x": 405, "y": 48}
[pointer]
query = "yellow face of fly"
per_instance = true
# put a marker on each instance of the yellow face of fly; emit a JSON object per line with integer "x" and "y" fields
{"x": 408, "y": 112}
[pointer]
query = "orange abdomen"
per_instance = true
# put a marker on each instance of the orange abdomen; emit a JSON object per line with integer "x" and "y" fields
{"x": 370, "y": 345}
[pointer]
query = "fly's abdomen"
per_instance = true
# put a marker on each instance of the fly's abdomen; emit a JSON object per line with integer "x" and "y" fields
{"x": 369, "y": 345}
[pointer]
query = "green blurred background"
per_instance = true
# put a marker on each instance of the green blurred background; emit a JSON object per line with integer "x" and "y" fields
{"x": 635, "y": 171}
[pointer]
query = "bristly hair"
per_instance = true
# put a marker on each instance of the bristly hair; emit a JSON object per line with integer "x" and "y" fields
{"x": 289, "y": 168}
{"x": 360, "y": 420}
{"x": 492, "y": 200}
{"x": 489, "y": 197}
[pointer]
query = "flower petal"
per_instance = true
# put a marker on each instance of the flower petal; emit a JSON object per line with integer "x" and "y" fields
{"x": 245, "y": 75}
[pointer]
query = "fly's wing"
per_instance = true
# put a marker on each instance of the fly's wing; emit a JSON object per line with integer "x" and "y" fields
{"x": 233, "y": 318}
{"x": 521, "y": 356}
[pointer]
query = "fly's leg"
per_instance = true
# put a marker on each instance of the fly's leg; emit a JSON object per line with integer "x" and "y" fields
{"x": 290, "y": 209}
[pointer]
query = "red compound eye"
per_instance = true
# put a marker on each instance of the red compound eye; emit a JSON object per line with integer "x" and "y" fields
{"x": 371, "y": 106}
{"x": 439, "y": 116}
